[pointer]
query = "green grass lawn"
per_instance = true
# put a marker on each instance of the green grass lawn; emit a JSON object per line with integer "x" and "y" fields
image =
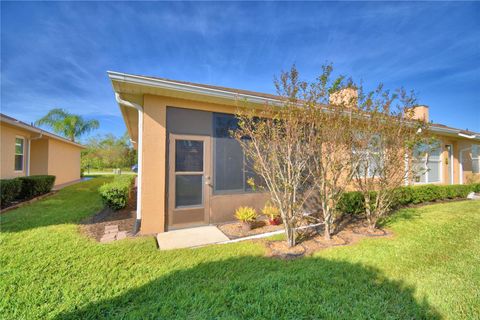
{"x": 430, "y": 269}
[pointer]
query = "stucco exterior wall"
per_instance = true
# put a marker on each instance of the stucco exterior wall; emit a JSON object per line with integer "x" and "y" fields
{"x": 155, "y": 164}
{"x": 63, "y": 161}
{"x": 154, "y": 178}
{"x": 7, "y": 157}
{"x": 39, "y": 157}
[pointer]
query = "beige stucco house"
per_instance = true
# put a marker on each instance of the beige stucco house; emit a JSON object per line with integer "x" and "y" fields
{"x": 191, "y": 173}
{"x": 27, "y": 150}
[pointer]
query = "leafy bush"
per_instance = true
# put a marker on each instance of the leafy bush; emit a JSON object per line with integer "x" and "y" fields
{"x": 34, "y": 186}
{"x": 246, "y": 214}
{"x": 271, "y": 211}
{"x": 9, "y": 191}
{"x": 115, "y": 194}
{"x": 476, "y": 187}
{"x": 353, "y": 202}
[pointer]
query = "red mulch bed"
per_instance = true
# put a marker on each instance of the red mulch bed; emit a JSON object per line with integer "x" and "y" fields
{"x": 313, "y": 240}
{"x": 94, "y": 227}
{"x": 234, "y": 230}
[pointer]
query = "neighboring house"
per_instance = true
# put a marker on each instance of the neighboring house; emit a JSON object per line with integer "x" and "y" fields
{"x": 27, "y": 150}
{"x": 190, "y": 172}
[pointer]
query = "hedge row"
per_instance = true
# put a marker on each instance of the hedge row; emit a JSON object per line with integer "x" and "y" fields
{"x": 24, "y": 188}
{"x": 115, "y": 194}
{"x": 353, "y": 202}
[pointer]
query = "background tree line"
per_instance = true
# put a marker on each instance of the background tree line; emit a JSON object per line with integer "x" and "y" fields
{"x": 108, "y": 151}
{"x": 102, "y": 152}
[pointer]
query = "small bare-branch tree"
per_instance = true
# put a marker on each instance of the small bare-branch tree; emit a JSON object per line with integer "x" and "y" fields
{"x": 278, "y": 142}
{"x": 385, "y": 137}
{"x": 332, "y": 114}
{"x": 301, "y": 148}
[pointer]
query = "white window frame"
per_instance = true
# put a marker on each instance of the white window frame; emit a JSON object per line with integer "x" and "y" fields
{"x": 367, "y": 154}
{"x": 425, "y": 161}
{"x": 18, "y": 154}
{"x": 477, "y": 158}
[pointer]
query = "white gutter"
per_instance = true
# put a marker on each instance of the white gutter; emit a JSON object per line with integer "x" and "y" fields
{"x": 454, "y": 132}
{"x": 473, "y": 136}
{"x": 139, "y": 151}
{"x": 219, "y": 93}
{"x": 27, "y": 127}
{"x": 190, "y": 88}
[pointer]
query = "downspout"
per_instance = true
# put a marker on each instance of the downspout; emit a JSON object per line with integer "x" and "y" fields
{"x": 140, "y": 156}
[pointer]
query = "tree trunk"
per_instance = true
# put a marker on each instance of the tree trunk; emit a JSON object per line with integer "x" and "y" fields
{"x": 368, "y": 212}
{"x": 290, "y": 231}
{"x": 327, "y": 231}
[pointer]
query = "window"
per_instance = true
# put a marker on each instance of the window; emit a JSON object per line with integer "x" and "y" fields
{"x": 475, "y": 158}
{"x": 19, "y": 152}
{"x": 231, "y": 168}
{"x": 370, "y": 159}
{"x": 428, "y": 164}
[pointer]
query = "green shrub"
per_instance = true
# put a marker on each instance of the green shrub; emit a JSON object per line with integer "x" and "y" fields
{"x": 246, "y": 214}
{"x": 475, "y": 187}
{"x": 403, "y": 196}
{"x": 9, "y": 191}
{"x": 115, "y": 194}
{"x": 34, "y": 186}
{"x": 353, "y": 202}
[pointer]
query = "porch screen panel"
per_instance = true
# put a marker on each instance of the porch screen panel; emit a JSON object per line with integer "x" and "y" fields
{"x": 228, "y": 155}
{"x": 231, "y": 168}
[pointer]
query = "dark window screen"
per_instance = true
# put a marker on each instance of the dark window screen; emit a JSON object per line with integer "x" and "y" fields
{"x": 231, "y": 169}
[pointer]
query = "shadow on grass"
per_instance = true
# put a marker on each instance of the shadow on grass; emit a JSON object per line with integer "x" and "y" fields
{"x": 258, "y": 287}
{"x": 69, "y": 205}
{"x": 400, "y": 215}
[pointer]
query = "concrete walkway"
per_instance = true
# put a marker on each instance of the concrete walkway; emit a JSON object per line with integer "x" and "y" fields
{"x": 191, "y": 237}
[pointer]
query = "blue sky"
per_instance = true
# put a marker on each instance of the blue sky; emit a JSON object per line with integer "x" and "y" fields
{"x": 57, "y": 54}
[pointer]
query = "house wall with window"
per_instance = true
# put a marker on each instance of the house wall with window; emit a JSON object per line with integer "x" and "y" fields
{"x": 14, "y": 150}
{"x": 228, "y": 172}
{"x": 469, "y": 161}
{"x": 27, "y": 150}
{"x": 192, "y": 173}
{"x": 226, "y": 189}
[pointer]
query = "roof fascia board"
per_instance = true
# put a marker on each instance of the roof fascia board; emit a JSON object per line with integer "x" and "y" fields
{"x": 188, "y": 88}
{"x": 36, "y": 130}
{"x": 453, "y": 132}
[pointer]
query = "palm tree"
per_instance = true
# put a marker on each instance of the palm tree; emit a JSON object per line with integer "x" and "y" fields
{"x": 67, "y": 124}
